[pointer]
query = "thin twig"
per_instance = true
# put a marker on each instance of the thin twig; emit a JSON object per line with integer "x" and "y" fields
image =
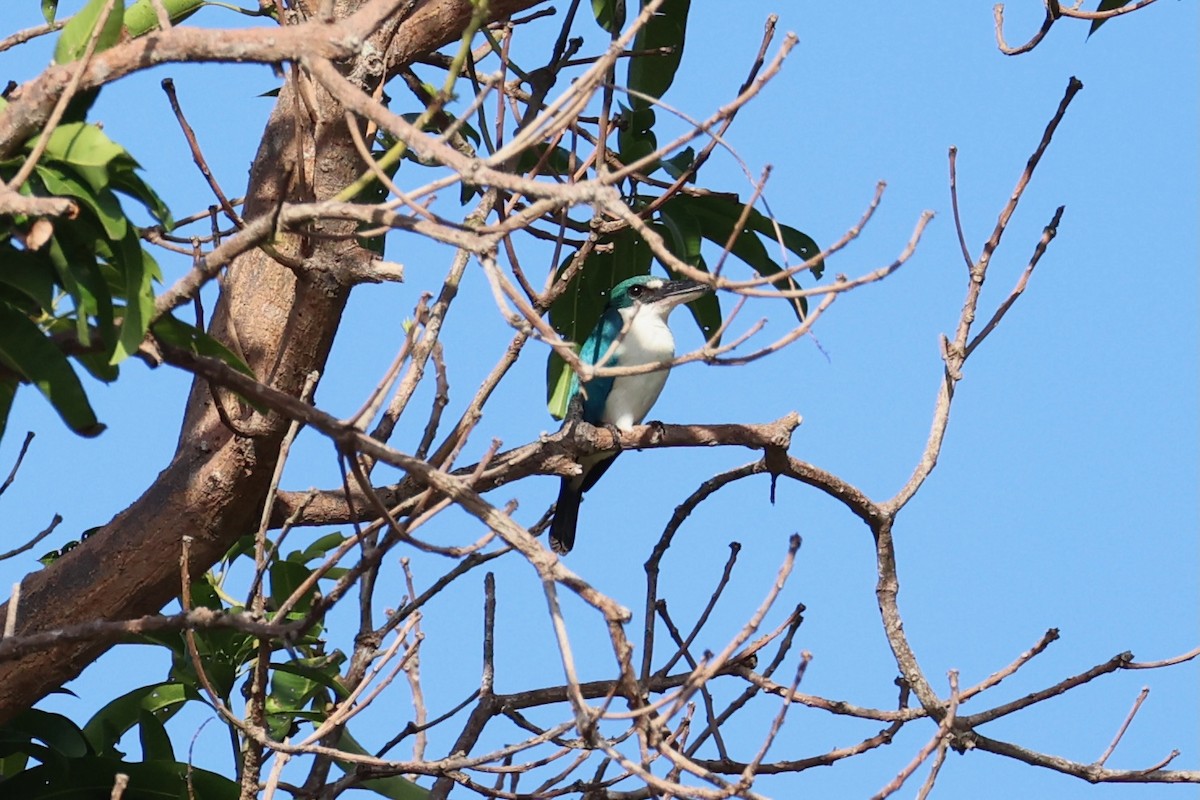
{"x": 958, "y": 227}
{"x": 168, "y": 86}
{"x": 1137, "y": 703}
{"x": 1048, "y": 234}
{"x": 12, "y": 475}
{"x": 1047, "y": 638}
{"x": 37, "y": 537}
{"x": 938, "y": 740}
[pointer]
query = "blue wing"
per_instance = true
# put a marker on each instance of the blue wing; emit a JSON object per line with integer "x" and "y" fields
{"x": 597, "y": 344}
{"x": 570, "y": 493}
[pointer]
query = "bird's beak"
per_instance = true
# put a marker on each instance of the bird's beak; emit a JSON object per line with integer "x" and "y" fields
{"x": 683, "y": 291}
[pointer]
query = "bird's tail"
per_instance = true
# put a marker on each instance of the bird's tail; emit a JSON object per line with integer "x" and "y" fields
{"x": 566, "y": 515}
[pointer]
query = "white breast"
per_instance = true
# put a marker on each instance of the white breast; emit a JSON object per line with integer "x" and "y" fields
{"x": 648, "y": 340}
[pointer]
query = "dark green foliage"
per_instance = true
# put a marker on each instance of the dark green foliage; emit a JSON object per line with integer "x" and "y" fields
{"x": 74, "y": 287}
{"x": 635, "y": 135}
{"x": 653, "y": 74}
{"x": 45, "y": 755}
{"x": 140, "y": 17}
{"x": 683, "y": 222}
{"x": 610, "y": 14}
{"x": 92, "y": 777}
{"x": 714, "y": 217}
{"x": 78, "y": 32}
{"x": 75, "y": 763}
{"x": 1106, "y": 5}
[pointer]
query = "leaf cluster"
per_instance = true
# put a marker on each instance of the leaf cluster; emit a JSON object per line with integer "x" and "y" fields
{"x": 44, "y": 755}
{"x": 684, "y": 219}
{"x": 77, "y": 287}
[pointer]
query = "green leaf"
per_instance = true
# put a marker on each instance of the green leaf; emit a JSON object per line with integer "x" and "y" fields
{"x": 223, "y": 652}
{"x": 653, "y": 74}
{"x": 29, "y": 273}
{"x": 801, "y": 244}
{"x": 152, "y": 734}
{"x": 203, "y": 595}
{"x": 58, "y": 733}
{"x": 78, "y": 152}
{"x": 102, "y": 202}
{"x": 13, "y": 763}
{"x": 96, "y": 361}
{"x": 464, "y": 128}
{"x": 286, "y": 577}
{"x": 635, "y": 138}
{"x": 394, "y": 788}
{"x": 161, "y": 700}
{"x": 73, "y": 253}
{"x": 125, "y": 180}
{"x": 140, "y": 18}
{"x": 290, "y": 691}
{"x": 139, "y": 271}
{"x": 610, "y": 14}
{"x": 49, "y": 9}
{"x": 98, "y": 367}
{"x": 1106, "y": 5}
{"x": 88, "y": 150}
{"x": 318, "y": 549}
{"x": 557, "y": 163}
{"x": 706, "y": 312}
{"x": 78, "y": 31}
{"x": 320, "y": 670}
{"x": 220, "y": 658}
{"x": 295, "y": 685}
{"x": 682, "y": 236}
{"x": 717, "y": 216}
{"x": 92, "y": 777}
{"x": 190, "y": 338}
{"x": 244, "y": 544}
{"x": 26, "y": 351}
{"x": 679, "y": 163}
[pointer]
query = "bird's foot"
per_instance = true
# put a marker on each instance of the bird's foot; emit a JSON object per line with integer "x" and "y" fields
{"x": 616, "y": 434}
{"x": 658, "y": 430}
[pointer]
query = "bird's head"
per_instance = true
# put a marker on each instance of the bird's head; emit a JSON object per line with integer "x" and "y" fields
{"x": 649, "y": 293}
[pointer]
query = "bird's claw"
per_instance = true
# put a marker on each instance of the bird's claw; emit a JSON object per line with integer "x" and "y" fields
{"x": 616, "y": 434}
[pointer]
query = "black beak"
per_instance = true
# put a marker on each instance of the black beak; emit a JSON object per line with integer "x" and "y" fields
{"x": 683, "y": 291}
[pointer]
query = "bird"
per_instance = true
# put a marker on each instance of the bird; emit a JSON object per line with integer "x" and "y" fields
{"x": 635, "y": 318}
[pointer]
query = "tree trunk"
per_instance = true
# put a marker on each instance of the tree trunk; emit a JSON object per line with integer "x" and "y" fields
{"x": 282, "y": 321}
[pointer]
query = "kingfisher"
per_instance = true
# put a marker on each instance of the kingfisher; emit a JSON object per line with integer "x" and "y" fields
{"x": 634, "y": 327}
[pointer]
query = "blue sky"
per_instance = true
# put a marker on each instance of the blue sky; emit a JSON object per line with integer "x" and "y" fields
{"x": 1066, "y": 492}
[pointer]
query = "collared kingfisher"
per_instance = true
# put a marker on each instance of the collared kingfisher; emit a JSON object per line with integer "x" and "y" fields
{"x": 634, "y": 327}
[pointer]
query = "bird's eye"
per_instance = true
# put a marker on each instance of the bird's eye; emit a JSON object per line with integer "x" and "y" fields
{"x": 635, "y": 291}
